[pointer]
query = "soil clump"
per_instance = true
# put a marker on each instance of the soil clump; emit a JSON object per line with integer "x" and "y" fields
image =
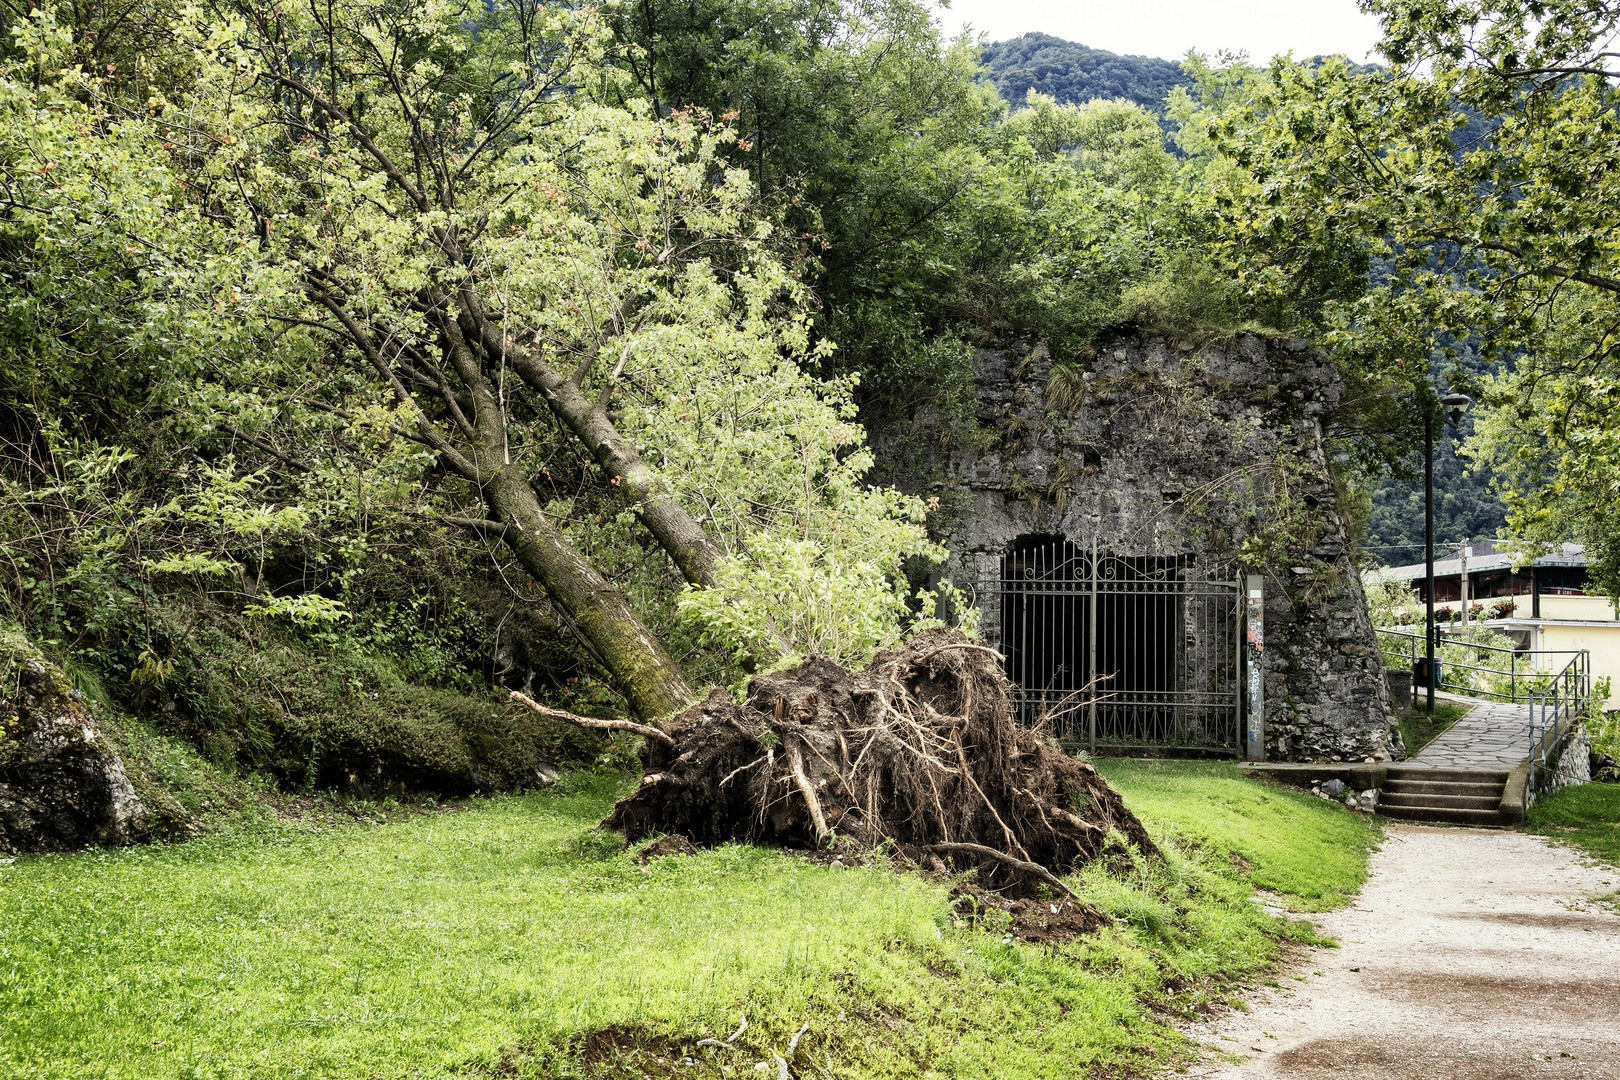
{"x": 919, "y": 752}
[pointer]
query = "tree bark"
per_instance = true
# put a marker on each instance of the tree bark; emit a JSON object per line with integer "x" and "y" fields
{"x": 634, "y": 657}
{"x": 685, "y": 541}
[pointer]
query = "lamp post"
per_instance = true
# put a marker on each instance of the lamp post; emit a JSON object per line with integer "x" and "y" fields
{"x": 1453, "y": 406}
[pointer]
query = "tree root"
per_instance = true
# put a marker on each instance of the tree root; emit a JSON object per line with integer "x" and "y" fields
{"x": 592, "y": 722}
{"x": 920, "y": 749}
{"x": 1021, "y": 865}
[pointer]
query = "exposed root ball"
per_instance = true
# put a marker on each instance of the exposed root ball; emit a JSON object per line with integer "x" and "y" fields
{"x": 920, "y": 749}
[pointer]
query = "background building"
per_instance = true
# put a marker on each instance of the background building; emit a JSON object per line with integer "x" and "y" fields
{"x": 1543, "y": 606}
{"x": 1104, "y": 513}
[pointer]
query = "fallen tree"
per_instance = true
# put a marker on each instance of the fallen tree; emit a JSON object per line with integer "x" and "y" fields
{"x": 919, "y": 750}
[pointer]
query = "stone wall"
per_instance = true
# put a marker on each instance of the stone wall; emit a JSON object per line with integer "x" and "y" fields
{"x": 1574, "y": 765}
{"x": 1149, "y": 449}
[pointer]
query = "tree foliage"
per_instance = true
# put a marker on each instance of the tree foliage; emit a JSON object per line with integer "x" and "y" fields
{"x": 1069, "y": 72}
{"x": 1479, "y": 173}
{"x": 590, "y": 306}
{"x": 435, "y": 254}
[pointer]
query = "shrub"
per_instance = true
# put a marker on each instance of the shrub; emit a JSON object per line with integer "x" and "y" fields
{"x": 1185, "y": 298}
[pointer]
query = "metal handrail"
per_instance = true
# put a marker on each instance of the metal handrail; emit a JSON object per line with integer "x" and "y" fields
{"x": 1513, "y": 673}
{"x": 1488, "y": 648}
{"x": 1553, "y": 713}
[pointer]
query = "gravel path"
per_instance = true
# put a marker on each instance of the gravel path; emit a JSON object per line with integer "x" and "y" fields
{"x": 1471, "y": 954}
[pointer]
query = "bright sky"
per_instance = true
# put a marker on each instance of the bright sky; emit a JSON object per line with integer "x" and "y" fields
{"x": 1168, "y": 28}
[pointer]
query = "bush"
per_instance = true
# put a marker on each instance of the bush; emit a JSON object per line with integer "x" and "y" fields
{"x": 1185, "y": 298}
{"x": 350, "y": 720}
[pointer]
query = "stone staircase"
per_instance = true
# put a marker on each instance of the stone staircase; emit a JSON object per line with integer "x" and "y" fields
{"x": 1448, "y": 796}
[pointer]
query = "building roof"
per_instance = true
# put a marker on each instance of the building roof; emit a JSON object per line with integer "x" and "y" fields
{"x": 1485, "y": 555}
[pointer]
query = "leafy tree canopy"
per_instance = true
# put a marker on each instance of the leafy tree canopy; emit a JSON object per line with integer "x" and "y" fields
{"x": 1480, "y": 173}
{"x": 1068, "y": 72}
{"x": 436, "y": 254}
{"x": 590, "y": 295}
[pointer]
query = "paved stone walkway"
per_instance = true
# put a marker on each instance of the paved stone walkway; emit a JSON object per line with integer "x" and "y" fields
{"x": 1494, "y": 735}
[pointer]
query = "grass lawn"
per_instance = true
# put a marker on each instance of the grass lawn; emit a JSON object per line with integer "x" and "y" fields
{"x": 1420, "y": 729}
{"x": 1281, "y": 839}
{"x": 1587, "y": 815}
{"x": 507, "y": 939}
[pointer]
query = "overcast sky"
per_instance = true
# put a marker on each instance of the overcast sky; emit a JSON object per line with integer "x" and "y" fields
{"x": 1168, "y": 28}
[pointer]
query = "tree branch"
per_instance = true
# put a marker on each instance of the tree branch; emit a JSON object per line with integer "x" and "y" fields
{"x": 382, "y": 159}
{"x": 591, "y": 722}
{"x": 1597, "y": 281}
{"x": 1002, "y": 857}
{"x": 363, "y": 341}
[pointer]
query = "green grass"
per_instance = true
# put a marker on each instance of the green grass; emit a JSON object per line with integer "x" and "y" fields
{"x": 506, "y": 940}
{"x": 1420, "y": 729}
{"x": 1285, "y": 841}
{"x": 1586, "y": 815}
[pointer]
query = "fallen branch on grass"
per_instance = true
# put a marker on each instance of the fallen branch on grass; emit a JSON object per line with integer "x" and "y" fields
{"x": 592, "y": 722}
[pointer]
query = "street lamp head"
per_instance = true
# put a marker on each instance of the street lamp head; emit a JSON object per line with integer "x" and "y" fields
{"x": 1455, "y": 405}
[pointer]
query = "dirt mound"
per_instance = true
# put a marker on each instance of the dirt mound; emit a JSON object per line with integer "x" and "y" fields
{"x": 665, "y": 845}
{"x": 1039, "y": 921}
{"x": 919, "y": 749}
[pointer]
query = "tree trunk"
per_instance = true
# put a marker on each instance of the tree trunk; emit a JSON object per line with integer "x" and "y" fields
{"x": 685, "y": 541}
{"x": 640, "y": 667}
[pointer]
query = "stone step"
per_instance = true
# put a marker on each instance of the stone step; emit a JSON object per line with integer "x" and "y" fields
{"x": 1443, "y": 815}
{"x": 1450, "y": 776}
{"x": 1442, "y": 787}
{"x": 1407, "y": 800}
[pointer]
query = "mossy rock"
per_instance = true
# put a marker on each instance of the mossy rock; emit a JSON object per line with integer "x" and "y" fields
{"x": 61, "y": 785}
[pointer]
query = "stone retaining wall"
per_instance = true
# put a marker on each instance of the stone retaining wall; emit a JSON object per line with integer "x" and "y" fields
{"x": 1574, "y": 765}
{"x": 1148, "y": 448}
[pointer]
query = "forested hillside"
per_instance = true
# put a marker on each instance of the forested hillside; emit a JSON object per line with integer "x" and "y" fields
{"x": 1069, "y": 72}
{"x": 344, "y": 389}
{"x": 1465, "y": 508}
{"x": 356, "y": 370}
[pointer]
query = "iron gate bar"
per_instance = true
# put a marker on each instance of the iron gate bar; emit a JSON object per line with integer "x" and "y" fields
{"x": 1162, "y": 646}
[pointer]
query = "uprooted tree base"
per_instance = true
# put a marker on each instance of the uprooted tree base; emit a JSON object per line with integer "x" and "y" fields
{"x": 919, "y": 750}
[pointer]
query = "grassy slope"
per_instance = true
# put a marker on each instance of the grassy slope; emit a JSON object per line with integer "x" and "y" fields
{"x": 1285, "y": 841}
{"x": 1587, "y": 815}
{"x": 495, "y": 940}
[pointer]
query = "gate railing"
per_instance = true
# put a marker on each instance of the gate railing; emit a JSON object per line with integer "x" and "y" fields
{"x": 1489, "y": 671}
{"x": 1554, "y": 711}
{"x": 1118, "y": 651}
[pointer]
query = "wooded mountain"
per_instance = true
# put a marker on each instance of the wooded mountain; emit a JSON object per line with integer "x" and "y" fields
{"x": 1074, "y": 74}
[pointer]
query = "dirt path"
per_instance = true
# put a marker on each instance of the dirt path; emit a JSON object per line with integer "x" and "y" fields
{"x": 1471, "y": 954}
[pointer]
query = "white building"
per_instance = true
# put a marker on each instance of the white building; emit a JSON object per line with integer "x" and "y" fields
{"x": 1542, "y": 607}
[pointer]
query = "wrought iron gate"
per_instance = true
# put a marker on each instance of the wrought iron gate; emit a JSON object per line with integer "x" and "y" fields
{"x": 1122, "y": 651}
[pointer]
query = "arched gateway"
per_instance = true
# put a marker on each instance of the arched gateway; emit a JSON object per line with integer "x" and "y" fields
{"x": 1121, "y": 650}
